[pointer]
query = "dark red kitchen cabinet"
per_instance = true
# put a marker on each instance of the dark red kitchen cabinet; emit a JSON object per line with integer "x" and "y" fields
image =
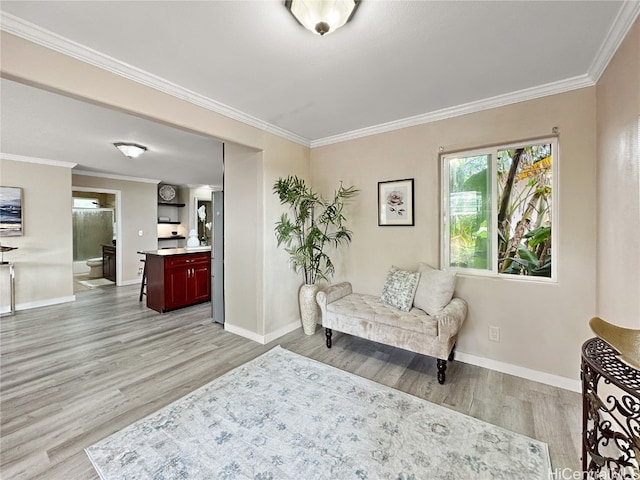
{"x": 176, "y": 280}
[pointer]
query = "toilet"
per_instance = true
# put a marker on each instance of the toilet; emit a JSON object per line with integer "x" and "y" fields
{"x": 95, "y": 267}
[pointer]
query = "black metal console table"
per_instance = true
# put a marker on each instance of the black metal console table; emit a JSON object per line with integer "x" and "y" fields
{"x": 610, "y": 413}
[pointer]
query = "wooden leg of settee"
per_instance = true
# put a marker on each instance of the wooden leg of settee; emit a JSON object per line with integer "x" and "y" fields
{"x": 328, "y": 332}
{"x": 442, "y": 364}
{"x": 442, "y": 367}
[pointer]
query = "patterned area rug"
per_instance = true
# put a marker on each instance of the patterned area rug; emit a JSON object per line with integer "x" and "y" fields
{"x": 284, "y": 416}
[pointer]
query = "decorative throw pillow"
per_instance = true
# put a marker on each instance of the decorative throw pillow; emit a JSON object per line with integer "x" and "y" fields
{"x": 435, "y": 289}
{"x": 400, "y": 288}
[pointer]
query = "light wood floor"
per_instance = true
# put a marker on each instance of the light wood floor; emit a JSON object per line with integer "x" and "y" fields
{"x": 73, "y": 374}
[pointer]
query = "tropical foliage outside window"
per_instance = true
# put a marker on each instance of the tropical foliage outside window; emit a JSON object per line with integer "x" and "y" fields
{"x": 498, "y": 209}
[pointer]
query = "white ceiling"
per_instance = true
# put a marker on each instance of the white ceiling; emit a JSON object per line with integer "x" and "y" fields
{"x": 395, "y": 63}
{"x": 42, "y": 125}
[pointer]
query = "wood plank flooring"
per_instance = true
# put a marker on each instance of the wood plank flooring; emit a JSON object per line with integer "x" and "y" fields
{"x": 75, "y": 373}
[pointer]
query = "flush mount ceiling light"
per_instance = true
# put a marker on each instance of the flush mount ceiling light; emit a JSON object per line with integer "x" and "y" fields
{"x": 322, "y": 16}
{"x": 131, "y": 150}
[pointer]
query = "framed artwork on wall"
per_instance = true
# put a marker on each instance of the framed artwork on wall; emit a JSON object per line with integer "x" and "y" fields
{"x": 204, "y": 217}
{"x": 395, "y": 203}
{"x": 10, "y": 211}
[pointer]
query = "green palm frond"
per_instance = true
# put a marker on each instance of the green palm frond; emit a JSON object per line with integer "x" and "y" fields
{"x": 314, "y": 223}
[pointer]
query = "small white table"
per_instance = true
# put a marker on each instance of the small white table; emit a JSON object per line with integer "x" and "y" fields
{"x": 12, "y": 285}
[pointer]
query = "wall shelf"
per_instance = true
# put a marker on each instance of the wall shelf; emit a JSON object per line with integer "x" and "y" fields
{"x": 173, "y": 237}
{"x": 169, "y": 213}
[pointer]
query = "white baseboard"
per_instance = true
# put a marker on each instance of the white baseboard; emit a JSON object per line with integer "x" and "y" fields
{"x": 130, "y": 282}
{"x": 516, "y": 370}
{"x": 243, "y": 332}
{"x": 38, "y": 303}
{"x": 270, "y": 337}
{"x": 262, "y": 339}
{"x": 522, "y": 372}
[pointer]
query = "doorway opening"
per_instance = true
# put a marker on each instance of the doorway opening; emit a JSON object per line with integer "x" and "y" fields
{"x": 95, "y": 215}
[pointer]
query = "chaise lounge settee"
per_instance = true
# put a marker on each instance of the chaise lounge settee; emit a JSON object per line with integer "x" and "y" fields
{"x": 395, "y": 317}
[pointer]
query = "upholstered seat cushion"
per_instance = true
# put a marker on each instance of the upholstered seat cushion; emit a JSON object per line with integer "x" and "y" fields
{"x": 371, "y": 309}
{"x": 366, "y": 316}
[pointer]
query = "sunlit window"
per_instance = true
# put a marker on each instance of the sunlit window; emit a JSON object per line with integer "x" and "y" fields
{"x": 498, "y": 210}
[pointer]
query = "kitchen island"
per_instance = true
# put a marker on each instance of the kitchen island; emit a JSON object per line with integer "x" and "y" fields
{"x": 177, "y": 277}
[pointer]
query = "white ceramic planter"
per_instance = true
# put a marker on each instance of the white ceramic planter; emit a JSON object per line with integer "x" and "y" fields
{"x": 309, "y": 309}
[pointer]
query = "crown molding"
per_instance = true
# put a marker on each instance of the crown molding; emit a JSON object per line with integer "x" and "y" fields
{"x": 464, "y": 109}
{"x": 623, "y": 22}
{"x": 33, "y": 33}
{"x": 200, "y": 186}
{"x": 41, "y": 161}
{"x": 621, "y": 26}
{"x": 90, "y": 173}
{"x": 70, "y": 165}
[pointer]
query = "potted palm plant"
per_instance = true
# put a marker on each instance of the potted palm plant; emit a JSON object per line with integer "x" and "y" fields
{"x": 315, "y": 223}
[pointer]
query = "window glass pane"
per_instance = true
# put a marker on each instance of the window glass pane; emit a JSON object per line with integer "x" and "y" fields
{"x": 524, "y": 210}
{"x": 470, "y": 212}
{"x": 85, "y": 202}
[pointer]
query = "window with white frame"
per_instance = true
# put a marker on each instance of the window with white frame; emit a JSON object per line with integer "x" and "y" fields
{"x": 498, "y": 210}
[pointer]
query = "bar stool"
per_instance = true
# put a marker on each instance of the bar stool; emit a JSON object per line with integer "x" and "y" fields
{"x": 144, "y": 280}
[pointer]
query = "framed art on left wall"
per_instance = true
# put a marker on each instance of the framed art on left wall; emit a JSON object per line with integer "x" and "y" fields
{"x": 10, "y": 211}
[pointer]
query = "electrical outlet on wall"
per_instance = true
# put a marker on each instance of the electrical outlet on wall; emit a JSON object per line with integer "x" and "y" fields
{"x": 494, "y": 333}
{"x": 140, "y": 271}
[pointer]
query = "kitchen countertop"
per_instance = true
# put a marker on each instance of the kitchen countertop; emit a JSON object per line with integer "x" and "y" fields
{"x": 165, "y": 252}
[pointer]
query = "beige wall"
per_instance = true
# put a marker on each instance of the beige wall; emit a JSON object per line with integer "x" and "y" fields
{"x": 250, "y": 244}
{"x": 542, "y": 325}
{"x": 138, "y": 212}
{"x": 243, "y": 260}
{"x": 44, "y": 258}
{"x": 618, "y": 229}
{"x": 281, "y": 285}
